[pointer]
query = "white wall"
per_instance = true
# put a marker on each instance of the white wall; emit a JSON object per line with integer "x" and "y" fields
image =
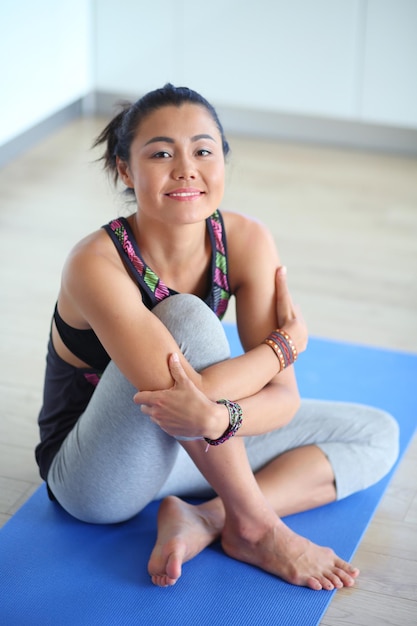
{"x": 343, "y": 59}
{"x": 390, "y": 63}
{"x": 296, "y": 56}
{"x": 44, "y": 60}
{"x": 340, "y": 59}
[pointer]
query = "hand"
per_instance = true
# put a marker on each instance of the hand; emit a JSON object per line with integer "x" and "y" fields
{"x": 289, "y": 315}
{"x": 182, "y": 411}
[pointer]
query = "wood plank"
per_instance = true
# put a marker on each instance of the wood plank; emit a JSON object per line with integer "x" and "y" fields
{"x": 359, "y": 608}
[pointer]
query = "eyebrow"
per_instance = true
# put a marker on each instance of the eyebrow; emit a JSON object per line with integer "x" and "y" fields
{"x": 170, "y": 140}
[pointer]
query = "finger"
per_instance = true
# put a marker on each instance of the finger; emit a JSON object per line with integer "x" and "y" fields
{"x": 146, "y": 409}
{"x": 176, "y": 368}
{"x": 285, "y": 307}
{"x": 144, "y": 397}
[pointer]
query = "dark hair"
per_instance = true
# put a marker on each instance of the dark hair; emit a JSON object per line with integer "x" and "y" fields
{"x": 120, "y": 132}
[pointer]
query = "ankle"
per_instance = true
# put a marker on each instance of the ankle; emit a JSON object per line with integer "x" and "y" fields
{"x": 213, "y": 516}
{"x": 251, "y": 528}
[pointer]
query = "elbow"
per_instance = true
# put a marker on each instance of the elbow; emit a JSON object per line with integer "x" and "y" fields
{"x": 294, "y": 403}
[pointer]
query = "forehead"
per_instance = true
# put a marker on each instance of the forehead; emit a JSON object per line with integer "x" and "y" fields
{"x": 185, "y": 120}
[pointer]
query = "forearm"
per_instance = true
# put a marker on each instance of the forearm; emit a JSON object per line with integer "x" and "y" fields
{"x": 242, "y": 376}
{"x": 272, "y": 407}
{"x": 184, "y": 410}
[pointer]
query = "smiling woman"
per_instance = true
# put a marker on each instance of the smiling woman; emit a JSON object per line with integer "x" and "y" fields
{"x": 182, "y": 164}
{"x": 141, "y": 397}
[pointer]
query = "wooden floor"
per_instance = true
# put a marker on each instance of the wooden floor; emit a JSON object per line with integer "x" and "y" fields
{"x": 346, "y": 226}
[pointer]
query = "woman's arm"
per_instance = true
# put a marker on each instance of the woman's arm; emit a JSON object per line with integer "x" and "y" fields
{"x": 97, "y": 292}
{"x": 260, "y": 307}
{"x": 185, "y": 411}
{"x": 97, "y": 289}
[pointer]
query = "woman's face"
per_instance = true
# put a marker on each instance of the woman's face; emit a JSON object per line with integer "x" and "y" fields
{"x": 176, "y": 165}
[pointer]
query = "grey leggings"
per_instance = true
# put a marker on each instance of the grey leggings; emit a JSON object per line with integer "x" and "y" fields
{"x": 115, "y": 460}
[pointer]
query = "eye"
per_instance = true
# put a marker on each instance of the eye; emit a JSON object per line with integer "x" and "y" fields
{"x": 162, "y": 154}
{"x": 203, "y": 152}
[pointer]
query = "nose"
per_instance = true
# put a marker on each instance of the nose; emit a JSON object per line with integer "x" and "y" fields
{"x": 183, "y": 169}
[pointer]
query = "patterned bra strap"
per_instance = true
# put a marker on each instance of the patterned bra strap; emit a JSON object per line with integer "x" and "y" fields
{"x": 221, "y": 288}
{"x": 119, "y": 231}
{"x": 150, "y": 284}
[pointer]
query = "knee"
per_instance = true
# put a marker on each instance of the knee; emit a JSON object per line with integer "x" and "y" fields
{"x": 369, "y": 457}
{"x": 195, "y": 327}
{"x": 379, "y": 447}
{"x": 386, "y": 439}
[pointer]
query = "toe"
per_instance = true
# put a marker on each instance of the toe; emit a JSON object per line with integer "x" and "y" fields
{"x": 334, "y": 580}
{"x": 313, "y": 583}
{"x": 173, "y": 567}
{"x": 346, "y": 579}
{"x": 347, "y": 567}
{"x": 327, "y": 582}
{"x": 163, "y": 581}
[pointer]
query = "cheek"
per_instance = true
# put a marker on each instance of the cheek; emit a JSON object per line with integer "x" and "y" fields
{"x": 218, "y": 176}
{"x": 146, "y": 183}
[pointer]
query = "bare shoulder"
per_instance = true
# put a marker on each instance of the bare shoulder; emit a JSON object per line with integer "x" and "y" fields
{"x": 92, "y": 250}
{"x": 238, "y": 225}
{"x": 92, "y": 271}
{"x": 96, "y": 243}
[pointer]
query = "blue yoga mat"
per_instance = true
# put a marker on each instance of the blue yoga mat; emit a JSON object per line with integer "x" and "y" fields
{"x": 55, "y": 570}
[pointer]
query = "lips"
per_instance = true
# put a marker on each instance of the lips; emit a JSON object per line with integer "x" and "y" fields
{"x": 185, "y": 194}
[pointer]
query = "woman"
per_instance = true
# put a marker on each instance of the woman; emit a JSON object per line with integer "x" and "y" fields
{"x": 139, "y": 309}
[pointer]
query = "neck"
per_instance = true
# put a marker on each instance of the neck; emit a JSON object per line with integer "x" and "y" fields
{"x": 166, "y": 246}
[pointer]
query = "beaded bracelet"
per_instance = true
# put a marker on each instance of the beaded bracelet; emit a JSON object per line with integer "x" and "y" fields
{"x": 235, "y": 422}
{"x": 283, "y": 346}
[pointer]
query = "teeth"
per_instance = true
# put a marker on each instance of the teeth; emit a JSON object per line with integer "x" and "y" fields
{"x": 185, "y": 194}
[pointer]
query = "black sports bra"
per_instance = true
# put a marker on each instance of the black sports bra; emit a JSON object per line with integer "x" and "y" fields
{"x": 85, "y": 344}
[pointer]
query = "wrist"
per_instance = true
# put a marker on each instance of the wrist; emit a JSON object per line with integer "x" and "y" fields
{"x": 235, "y": 422}
{"x": 218, "y": 421}
{"x": 283, "y": 347}
{"x": 272, "y": 357}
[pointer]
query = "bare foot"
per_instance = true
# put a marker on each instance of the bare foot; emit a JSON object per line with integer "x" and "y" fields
{"x": 184, "y": 530}
{"x": 291, "y": 557}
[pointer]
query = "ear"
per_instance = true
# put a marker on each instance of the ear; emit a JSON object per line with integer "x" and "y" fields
{"x": 124, "y": 172}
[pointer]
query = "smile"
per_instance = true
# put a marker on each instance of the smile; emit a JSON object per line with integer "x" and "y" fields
{"x": 185, "y": 195}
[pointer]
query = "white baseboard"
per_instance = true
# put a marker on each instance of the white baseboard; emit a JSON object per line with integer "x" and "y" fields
{"x": 244, "y": 122}
{"x": 323, "y": 131}
{"x": 17, "y": 146}
{"x": 299, "y": 128}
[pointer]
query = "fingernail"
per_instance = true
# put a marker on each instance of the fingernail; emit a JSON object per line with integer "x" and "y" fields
{"x": 283, "y": 270}
{"x": 175, "y": 357}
